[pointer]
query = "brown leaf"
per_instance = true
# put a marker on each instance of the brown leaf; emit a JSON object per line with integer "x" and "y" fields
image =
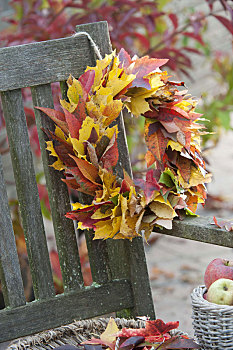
{"x": 184, "y": 166}
{"x": 155, "y": 141}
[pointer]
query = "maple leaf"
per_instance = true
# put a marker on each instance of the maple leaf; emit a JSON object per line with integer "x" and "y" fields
{"x": 178, "y": 342}
{"x": 57, "y": 116}
{"x": 88, "y": 170}
{"x": 154, "y": 331}
{"x": 226, "y": 224}
{"x": 60, "y": 148}
{"x": 196, "y": 178}
{"x": 184, "y": 166}
{"x": 149, "y": 186}
{"x": 87, "y": 81}
{"x": 73, "y": 124}
{"x": 110, "y": 156}
{"x": 141, "y": 67}
{"x": 162, "y": 208}
{"x": 155, "y": 140}
{"x": 107, "y": 338}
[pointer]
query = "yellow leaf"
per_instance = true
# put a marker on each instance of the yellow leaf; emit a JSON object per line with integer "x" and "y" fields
{"x": 137, "y": 105}
{"x": 100, "y": 66}
{"x": 103, "y": 229}
{"x": 68, "y": 106}
{"x": 109, "y": 335}
{"x": 196, "y": 178}
{"x": 175, "y": 145}
{"x": 187, "y": 105}
{"x": 60, "y": 133}
{"x": 99, "y": 214}
{"x": 73, "y": 93}
{"x": 111, "y": 111}
{"x": 77, "y": 146}
{"x": 155, "y": 81}
{"x": 118, "y": 84}
{"x": 110, "y": 188}
{"x": 58, "y": 165}
{"x": 78, "y": 205}
{"x": 162, "y": 208}
{"x": 109, "y": 132}
{"x": 84, "y": 134}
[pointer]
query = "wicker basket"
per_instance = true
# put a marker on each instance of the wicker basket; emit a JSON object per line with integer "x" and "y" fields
{"x": 73, "y": 334}
{"x": 213, "y": 324}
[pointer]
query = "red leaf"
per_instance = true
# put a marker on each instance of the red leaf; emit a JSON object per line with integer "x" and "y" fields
{"x": 148, "y": 186}
{"x": 227, "y": 24}
{"x": 171, "y": 127}
{"x": 145, "y": 42}
{"x": 84, "y": 184}
{"x": 57, "y": 117}
{"x": 195, "y": 37}
{"x": 227, "y": 224}
{"x": 93, "y": 136}
{"x": 174, "y": 20}
{"x": 73, "y": 124}
{"x": 158, "y": 326}
{"x": 80, "y": 111}
{"x": 156, "y": 142}
{"x": 124, "y": 186}
{"x": 88, "y": 170}
{"x": 154, "y": 331}
{"x": 124, "y": 58}
{"x": 149, "y": 158}
{"x": 141, "y": 67}
{"x": 63, "y": 149}
{"x": 110, "y": 155}
{"x": 87, "y": 80}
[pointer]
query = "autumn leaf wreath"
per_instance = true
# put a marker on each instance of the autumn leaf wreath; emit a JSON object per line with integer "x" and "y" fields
{"x": 85, "y": 145}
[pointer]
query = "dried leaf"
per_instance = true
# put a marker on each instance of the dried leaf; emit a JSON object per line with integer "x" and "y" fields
{"x": 155, "y": 140}
{"x": 226, "y": 224}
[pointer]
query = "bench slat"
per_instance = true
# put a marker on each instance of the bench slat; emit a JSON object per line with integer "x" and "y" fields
{"x": 27, "y": 191}
{"x": 127, "y": 259}
{"x": 64, "y": 309}
{"x": 43, "y": 62}
{"x": 199, "y": 229}
{"x": 58, "y": 197}
{"x": 10, "y": 275}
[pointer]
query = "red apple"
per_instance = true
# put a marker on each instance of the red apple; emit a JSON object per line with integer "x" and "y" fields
{"x": 218, "y": 268}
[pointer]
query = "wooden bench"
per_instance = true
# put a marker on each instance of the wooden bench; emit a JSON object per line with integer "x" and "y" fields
{"x": 118, "y": 268}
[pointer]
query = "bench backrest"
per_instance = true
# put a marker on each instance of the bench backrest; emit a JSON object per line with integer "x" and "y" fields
{"x": 118, "y": 268}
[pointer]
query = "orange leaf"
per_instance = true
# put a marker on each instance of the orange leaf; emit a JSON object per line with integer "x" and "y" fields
{"x": 88, "y": 170}
{"x": 149, "y": 158}
{"x": 155, "y": 140}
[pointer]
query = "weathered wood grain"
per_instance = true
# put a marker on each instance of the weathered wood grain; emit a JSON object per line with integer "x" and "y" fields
{"x": 43, "y": 62}
{"x": 199, "y": 229}
{"x": 97, "y": 249}
{"x": 126, "y": 259}
{"x": 58, "y": 197}
{"x": 64, "y": 309}
{"x": 10, "y": 275}
{"x": 28, "y": 197}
